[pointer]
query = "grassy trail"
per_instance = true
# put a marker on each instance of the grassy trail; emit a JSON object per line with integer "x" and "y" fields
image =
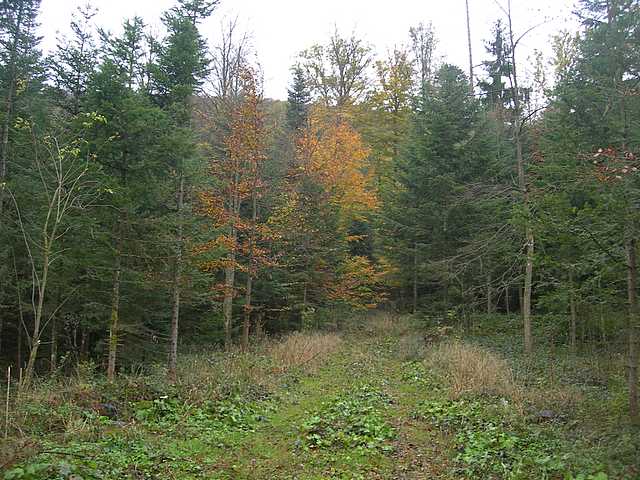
{"x": 276, "y": 449}
{"x": 373, "y": 404}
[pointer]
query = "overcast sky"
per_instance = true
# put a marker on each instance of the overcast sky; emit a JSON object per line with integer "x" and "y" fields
{"x": 281, "y": 28}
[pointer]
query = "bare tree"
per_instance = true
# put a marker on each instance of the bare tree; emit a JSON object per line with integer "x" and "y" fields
{"x": 470, "y": 49}
{"x": 423, "y": 45}
{"x": 228, "y": 58}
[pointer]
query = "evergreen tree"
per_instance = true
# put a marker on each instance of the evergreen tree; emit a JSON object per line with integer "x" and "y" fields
{"x": 298, "y": 101}
{"x": 21, "y": 83}
{"x": 75, "y": 61}
{"x": 182, "y": 67}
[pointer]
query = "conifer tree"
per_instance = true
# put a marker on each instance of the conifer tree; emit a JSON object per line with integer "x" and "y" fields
{"x": 182, "y": 67}
{"x": 298, "y": 101}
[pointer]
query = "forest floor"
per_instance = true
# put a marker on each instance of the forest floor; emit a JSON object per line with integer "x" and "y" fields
{"x": 368, "y": 405}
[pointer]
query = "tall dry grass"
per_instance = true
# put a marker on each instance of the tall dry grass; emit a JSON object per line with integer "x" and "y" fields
{"x": 470, "y": 369}
{"x": 302, "y": 350}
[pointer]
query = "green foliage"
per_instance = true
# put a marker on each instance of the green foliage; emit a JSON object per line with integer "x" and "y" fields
{"x": 355, "y": 420}
{"x": 489, "y": 445}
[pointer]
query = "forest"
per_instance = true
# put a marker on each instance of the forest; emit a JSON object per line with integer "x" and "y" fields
{"x": 191, "y": 274}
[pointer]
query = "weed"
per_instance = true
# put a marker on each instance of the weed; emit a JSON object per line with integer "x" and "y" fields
{"x": 353, "y": 420}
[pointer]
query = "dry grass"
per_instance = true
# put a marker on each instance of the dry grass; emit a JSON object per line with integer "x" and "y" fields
{"x": 411, "y": 347}
{"x": 302, "y": 349}
{"x": 473, "y": 370}
{"x": 385, "y": 324}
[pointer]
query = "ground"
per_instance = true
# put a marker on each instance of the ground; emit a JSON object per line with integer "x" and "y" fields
{"x": 365, "y": 406}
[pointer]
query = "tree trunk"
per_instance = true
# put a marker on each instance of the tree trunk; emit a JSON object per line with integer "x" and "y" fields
{"x": 84, "y": 345}
{"x": 19, "y": 349}
{"x": 517, "y": 122}
{"x": 54, "y": 346}
{"x": 415, "y": 278}
{"x": 632, "y": 290}
{"x": 489, "y": 295}
{"x": 246, "y": 324}
{"x": 229, "y": 291}
{"x": 259, "y": 332}
{"x": 470, "y": 49}
{"x": 37, "y": 320}
{"x": 177, "y": 279}
{"x": 115, "y": 315}
{"x": 526, "y": 300}
{"x": 507, "y": 292}
{"x": 250, "y": 271}
{"x": 574, "y": 315}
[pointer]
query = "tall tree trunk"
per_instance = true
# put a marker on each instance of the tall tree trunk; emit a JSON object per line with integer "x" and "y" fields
{"x": 632, "y": 290}
{"x": 415, "y": 277}
{"x": 115, "y": 312}
{"x": 54, "y": 346}
{"x": 37, "y": 318}
{"x": 246, "y": 325}
{"x": 522, "y": 185}
{"x": 489, "y": 295}
{"x": 229, "y": 290}
{"x": 574, "y": 314}
{"x": 177, "y": 279}
{"x": 471, "y": 81}
{"x": 507, "y": 306}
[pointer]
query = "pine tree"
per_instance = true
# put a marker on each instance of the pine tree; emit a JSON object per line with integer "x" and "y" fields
{"x": 75, "y": 61}
{"x": 21, "y": 79}
{"x": 298, "y": 101}
{"x": 128, "y": 50}
{"x": 182, "y": 67}
{"x": 498, "y": 70}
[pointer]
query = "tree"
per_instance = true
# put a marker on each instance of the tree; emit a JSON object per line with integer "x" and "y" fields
{"x": 136, "y": 143}
{"x": 298, "y": 101}
{"x": 66, "y": 188}
{"x": 423, "y": 46}
{"x": 20, "y": 90}
{"x": 337, "y": 73}
{"x": 127, "y": 51}
{"x": 19, "y": 58}
{"x": 182, "y": 68}
{"x": 237, "y": 181}
{"x": 75, "y": 60}
{"x": 427, "y": 214}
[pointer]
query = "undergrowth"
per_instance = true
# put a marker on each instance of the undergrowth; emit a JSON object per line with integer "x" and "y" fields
{"x": 351, "y": 420}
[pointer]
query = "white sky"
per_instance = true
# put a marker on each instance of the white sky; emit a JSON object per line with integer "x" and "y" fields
{"x": 280, "y": 29}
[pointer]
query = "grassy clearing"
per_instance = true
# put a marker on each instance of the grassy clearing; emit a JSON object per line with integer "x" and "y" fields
{"x": 386, "y": 400}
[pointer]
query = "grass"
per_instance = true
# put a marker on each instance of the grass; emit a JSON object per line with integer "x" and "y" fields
{"x": 386, "y": 399}
{"x": 472, "y": 370}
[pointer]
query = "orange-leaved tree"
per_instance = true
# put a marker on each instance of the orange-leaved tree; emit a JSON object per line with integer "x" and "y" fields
{"x": 233, "y": 201}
